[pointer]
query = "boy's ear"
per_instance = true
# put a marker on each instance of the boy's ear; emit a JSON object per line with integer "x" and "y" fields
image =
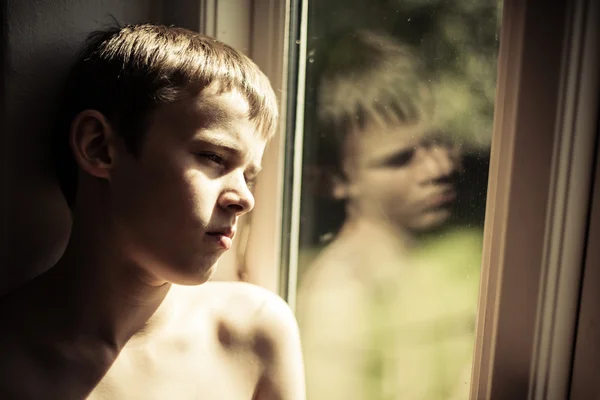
{"x": 92, "y": 141}
{"x": 325, "y": 181}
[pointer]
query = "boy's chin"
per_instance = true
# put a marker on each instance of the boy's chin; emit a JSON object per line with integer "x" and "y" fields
{"x": 190, "y": 276}
{"x": 430, "y": 221}
{"x": 200, "y": 277}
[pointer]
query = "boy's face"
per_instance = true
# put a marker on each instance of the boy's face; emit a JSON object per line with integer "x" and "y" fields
{"x": 177, "y": 204}
{"x": 401, "y": 175}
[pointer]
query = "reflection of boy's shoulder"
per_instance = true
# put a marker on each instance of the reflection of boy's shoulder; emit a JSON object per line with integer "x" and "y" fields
{"x": 361, "y": 257}
{"x": 214, "y": 341}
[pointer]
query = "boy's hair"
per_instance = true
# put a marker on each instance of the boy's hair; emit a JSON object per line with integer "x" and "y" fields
{"x": 126, "y": 73}
{"x": 368, "y": 78}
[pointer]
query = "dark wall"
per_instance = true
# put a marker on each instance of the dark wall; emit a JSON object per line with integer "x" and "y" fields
{"x": 39, "y": 39}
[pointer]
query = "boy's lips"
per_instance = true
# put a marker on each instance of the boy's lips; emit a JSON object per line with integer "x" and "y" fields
{"x": 441, "y": 199}
{"x": 223, "y": 236}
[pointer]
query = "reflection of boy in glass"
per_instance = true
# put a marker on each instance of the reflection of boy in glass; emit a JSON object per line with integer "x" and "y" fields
{"x": 378, "y": 321}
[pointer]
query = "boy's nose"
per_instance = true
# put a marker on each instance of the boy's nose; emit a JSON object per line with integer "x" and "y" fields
{"x": 237, "y": 199}
{"x": 438, "y": 164}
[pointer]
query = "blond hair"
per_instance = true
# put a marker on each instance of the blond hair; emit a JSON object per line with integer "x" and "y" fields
{"x": 126, "y": 73}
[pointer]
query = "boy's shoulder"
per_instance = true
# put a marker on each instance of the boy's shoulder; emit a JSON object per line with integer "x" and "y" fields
{"x": 248, "y": 322}
{"x": 241, "y": 312}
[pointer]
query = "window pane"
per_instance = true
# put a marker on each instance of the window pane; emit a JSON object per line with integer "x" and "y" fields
{"x": 399, "y": 102}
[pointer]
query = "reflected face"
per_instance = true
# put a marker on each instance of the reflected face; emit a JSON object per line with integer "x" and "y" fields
{"x": 402, "y": 175}
{"x": 177, "y": 204}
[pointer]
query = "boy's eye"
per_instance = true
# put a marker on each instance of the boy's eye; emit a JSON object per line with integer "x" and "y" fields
{"x": 400, "y": 159}
{"x": 215, "y": 158}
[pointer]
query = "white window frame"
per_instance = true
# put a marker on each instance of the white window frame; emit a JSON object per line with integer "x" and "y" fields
{"x": 270, "y": 48}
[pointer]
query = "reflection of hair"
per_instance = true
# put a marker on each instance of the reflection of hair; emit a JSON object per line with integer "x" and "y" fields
{"x": 125, "y": 73}
{"x": 367, "y": 78}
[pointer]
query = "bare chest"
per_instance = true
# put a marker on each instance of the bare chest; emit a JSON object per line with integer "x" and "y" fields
{"x": 182, "y": 366}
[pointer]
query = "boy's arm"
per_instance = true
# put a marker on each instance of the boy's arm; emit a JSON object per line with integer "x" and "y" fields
{"x": 277, "y": 344}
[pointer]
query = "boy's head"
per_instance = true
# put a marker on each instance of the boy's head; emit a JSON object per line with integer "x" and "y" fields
{"x": 162, "y": 131}
{"x": 376, "y": 108}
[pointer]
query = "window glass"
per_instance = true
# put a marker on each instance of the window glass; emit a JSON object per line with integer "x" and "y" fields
{"x": 398, "y": 110}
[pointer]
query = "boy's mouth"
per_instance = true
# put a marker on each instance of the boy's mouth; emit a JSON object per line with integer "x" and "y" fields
{"x": 443, "y": 199}
{"x": 223, "y": 236}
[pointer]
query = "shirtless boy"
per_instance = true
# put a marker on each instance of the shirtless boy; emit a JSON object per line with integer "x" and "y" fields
{"x": 382, "y": 316}
{"x": 160, "y": 139}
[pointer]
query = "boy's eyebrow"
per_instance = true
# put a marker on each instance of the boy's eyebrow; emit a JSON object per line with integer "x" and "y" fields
{"x": 394, "y": 156}
{"x": 230, "y": 145}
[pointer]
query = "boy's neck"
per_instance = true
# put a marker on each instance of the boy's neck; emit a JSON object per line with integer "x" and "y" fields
{"x": 95, "y": 291}
{"x": 364, "y": 226}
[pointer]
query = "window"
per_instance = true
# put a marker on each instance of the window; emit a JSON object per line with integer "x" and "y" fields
{"x": 393, "y": 138}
